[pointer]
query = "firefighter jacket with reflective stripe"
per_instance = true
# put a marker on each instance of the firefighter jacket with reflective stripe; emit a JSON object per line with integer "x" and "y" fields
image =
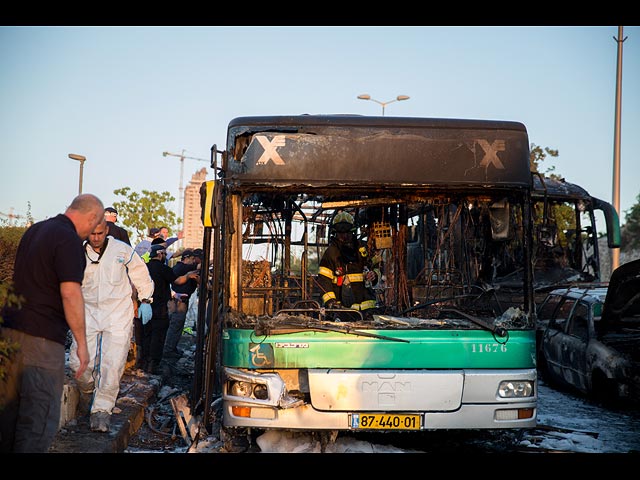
{"x": 341, "y": 276}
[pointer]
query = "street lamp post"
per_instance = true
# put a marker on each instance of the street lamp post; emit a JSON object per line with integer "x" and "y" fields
{"x": 81, "y": 159}
{"x": 399, "y": 98}
{"x": 615, "y": 252}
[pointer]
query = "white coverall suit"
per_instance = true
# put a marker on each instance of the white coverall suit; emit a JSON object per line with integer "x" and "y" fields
{"x": 109, "y": 312}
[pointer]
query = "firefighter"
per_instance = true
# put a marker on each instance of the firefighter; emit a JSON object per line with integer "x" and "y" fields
{"x": 345, "y": 275}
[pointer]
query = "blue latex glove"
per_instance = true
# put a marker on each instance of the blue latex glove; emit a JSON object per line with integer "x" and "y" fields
{"x": 144, "y": 310}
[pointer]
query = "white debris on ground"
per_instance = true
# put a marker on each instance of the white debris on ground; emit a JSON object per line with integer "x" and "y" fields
{"x": 295, "y": 442}
{"x": 565, "y": 442}
{"x": 590, "y": 429}
{"x": 208, "y": 445}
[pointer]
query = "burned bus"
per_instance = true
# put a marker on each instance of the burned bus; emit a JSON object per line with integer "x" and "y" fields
{"x": 442, "y": 206}
{"x": 566, "y": 231}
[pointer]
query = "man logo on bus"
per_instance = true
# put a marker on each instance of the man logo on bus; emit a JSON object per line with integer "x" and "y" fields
{"x": 270, "y": 150}
{"x": 491, "y": 153}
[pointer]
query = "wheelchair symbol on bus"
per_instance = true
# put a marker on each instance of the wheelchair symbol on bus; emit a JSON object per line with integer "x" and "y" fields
{"x": 261, "y": 357}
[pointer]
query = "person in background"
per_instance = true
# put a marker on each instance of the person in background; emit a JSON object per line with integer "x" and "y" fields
{"x": 143, "y": 249}
{"x": 155, "y": 330}
{"x": 164, "y": 233}
{"x": 112, "y": 268}
{"x": 137, "y": 329}
{"x": 191, "y": 317}
{"x": 161, "y": 241}
{"x": 168, "y": 241}
{"x": 179, "y": 303}
{"x": 144, "y": 246}
{"x": 48, "y": 273}
{"x": 116, "y": 231}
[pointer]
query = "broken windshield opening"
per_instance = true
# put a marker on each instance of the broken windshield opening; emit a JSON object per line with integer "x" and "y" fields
{"x": 436, "y": 258}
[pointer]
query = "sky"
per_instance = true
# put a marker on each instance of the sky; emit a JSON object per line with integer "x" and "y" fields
{"x": 123, "y": 95}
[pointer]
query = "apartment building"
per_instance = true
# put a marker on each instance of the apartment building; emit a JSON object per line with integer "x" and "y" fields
{"x": 192, "y": 220}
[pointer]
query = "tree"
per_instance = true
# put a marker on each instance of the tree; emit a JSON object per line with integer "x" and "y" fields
{"x": 9, "y": 239}
{"x": 562, "y": 214}
{"x": 139, "y": 211}
{"x": 630, "y": 235}
{"x": 537, "y": 155}
{"x": 7, "y": 299}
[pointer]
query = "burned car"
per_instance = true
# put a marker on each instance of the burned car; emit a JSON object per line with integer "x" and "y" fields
{"x": 591, "y": 341}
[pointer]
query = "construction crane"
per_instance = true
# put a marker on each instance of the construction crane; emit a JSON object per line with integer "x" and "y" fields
{"x": 182, "y": 156}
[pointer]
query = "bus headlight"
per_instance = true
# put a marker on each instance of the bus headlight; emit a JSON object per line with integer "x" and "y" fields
{"x": 249, "y": 390}
{"x": 261, "y": 392}
{"x": 515, "y": 389}
{"x": 266, "y": 389}
{"x": 241, "y": 389}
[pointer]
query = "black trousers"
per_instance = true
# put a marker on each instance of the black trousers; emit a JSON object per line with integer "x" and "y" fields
{"x": 154, "y": 335}
{"x": 174, "y": 332}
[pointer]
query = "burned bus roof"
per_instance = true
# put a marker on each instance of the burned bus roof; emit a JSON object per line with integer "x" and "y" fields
{"x": 558, "y": 188}
{"x": 362, "y": 120}
{"x": 352, "y": 150}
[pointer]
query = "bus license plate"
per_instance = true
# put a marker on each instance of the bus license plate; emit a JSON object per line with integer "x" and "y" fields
{"x": 385, "y": 421}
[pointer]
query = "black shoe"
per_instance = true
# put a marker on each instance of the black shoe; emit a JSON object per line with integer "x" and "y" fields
{"x": 150, "y": 366}
{"x": 156, "y": 368}
{"x": 166, "y": 369}
{"x": 176, "y": 353}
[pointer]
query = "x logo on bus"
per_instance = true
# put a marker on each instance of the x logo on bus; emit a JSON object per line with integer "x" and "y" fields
{"x": 491, "y": 153}
{"x": 270, "y": 150}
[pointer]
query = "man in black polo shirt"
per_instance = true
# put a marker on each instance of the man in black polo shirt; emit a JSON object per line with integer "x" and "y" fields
{"x": 48, "y": 273}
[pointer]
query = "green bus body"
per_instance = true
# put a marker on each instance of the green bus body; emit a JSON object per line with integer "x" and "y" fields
{"x": 452, "y": 349}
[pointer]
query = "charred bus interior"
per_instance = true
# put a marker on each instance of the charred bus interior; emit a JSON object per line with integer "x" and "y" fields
{"x": 433, "y": 249}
